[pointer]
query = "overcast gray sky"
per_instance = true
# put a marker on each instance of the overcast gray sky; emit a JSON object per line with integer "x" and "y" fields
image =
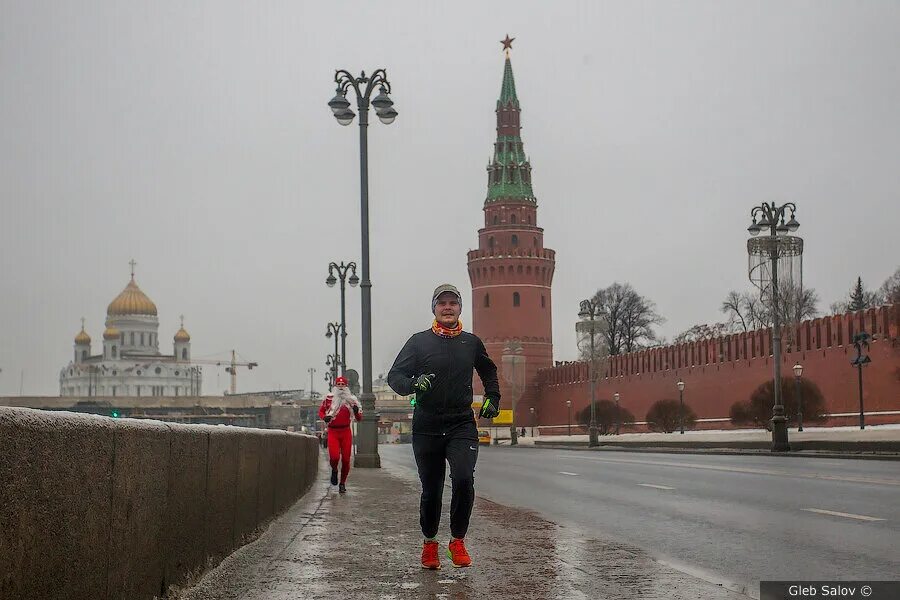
{"x": 194, "y": 137}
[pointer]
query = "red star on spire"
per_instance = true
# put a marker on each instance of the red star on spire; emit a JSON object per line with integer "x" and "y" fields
{"x": 507, "y": 43}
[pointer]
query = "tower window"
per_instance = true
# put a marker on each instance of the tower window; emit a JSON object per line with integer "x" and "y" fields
{"x": 184, "y": 353}
{"x": 114, "y": 350}
{"x": 512, "y": 218}
{"x": 515, "y": 240}
{"x": 516, "y": 300}
{"x": 496, "y": 219}
{"x": 487, "y": 300}
{"x": 491, "y": 244}
{"x": 529, "y": 219}
{"x": 84, "y": 355}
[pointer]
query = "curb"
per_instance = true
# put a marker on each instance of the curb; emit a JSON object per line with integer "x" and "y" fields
{"x": 758, "y": 450}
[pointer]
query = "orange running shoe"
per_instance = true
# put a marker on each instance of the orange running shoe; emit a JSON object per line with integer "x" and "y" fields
{"x": 430, "y": 555}
{"x": 458, "y": 554}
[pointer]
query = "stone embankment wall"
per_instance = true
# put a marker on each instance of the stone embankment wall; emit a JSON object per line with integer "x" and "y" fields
{"x": 95, "y": 507}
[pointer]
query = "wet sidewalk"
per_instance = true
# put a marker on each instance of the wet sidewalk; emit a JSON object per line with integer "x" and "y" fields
{"x": 366, "y": 544}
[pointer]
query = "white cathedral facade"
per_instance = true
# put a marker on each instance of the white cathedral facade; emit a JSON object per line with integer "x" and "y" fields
{"x": 130, "y": 363}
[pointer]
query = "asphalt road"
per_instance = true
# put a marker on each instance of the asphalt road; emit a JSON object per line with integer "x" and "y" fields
{"x": 729, "y": 519}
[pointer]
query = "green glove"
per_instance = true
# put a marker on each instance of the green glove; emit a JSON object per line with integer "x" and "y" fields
{"x": 490, "y": 408}
{"x": 423, "y": 383}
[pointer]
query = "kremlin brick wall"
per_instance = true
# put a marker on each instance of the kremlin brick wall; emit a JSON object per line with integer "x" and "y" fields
{"x": 719, "y": 372}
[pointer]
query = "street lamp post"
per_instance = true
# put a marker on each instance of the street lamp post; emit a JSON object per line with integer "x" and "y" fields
{"x": 861, "y": 342}
{"x": 798, "y": 372}
{"x": 333, "y": 329}
{"x": 532, "y": 421}
{"x": 569, "y": 407}
{"x": 331, "y": 361}
{"x": 680, "y": 386}
{"x": 363, "y": 86}
{"x": 616, "y": 398}
{"x": 772, "y": 218}
{"x": 312, "y": 396}
{"x": 342, "y": 271}
{"x": 591, "y": 310}
{"x": 512, "y": 358}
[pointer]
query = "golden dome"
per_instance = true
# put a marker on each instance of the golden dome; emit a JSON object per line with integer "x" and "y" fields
{"x": 182, "y": 335}
{"x": 111, "y": 333}
{"x": 82, "y": 337}
{"x": 132, "y": 301}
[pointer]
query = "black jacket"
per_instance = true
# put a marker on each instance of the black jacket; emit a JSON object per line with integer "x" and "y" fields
{"x": 448, "y": 404}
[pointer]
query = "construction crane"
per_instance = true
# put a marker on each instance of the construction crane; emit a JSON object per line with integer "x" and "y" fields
{"x": 231, "y": 367}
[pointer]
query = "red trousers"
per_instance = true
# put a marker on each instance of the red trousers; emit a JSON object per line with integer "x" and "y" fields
{"x": 340, "y": 441}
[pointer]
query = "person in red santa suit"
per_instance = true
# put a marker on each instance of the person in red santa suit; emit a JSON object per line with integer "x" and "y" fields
{"x": 336, "y": 410}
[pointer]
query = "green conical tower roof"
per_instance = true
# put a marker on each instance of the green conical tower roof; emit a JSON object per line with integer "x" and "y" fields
{"x": 509, "y": 173}
{"x": 508, "y": 89}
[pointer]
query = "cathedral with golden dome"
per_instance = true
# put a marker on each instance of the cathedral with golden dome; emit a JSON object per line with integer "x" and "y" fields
{"x": 130, "y": 363}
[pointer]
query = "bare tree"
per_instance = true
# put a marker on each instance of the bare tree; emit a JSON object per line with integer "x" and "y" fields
{"x": 735, "y": 308}
{"x": 889, "y": 291}
{"x": 797, "y": 303}
{"x": 629, "y": 319}
{"x": 703, "y": 332}
{"x": 747, "y": 311}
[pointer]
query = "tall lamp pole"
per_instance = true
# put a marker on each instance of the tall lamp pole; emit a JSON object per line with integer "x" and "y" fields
{"x": 363, "y": 86}
{"x": 512, "y": 359}
{"x": 861, "y": 341}
{"x": 772, "y": 219}
{"x": 591, "y": 310}
{"x": 616, "y": 398}
{"x": 680, "y": 386}
{"x": 342, "y": 271}
{"x": 798, "y": 372}
{"x": 569, "y": 407}
{"x": 532, "y": 421}
{"x": 330, "y": 361}
{"x": 333, "y": 330}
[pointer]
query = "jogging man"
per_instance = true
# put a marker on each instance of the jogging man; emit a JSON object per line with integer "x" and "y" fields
{"x": 437, "y": 365}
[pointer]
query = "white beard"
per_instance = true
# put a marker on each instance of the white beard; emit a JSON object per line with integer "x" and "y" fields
{"x": 341, "y": 396}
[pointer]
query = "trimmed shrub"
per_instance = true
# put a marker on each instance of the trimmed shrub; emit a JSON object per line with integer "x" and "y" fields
{"x": 664, "y": 415}
{"x": 758, "y": 409}
{"x": 606, "y": 416}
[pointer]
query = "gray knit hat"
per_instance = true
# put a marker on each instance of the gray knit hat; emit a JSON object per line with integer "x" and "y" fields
{"x": 445, "y": 287}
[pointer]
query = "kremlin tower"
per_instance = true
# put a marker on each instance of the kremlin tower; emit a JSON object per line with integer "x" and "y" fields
{"x": 511, "y": 272}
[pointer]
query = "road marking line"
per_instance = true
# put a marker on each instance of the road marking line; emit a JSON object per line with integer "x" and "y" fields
{"x": 841, "y": 514}
{"x": 658, "y": 487}
{"x": 744, "y": 470}
{"x": 567, "y": 473}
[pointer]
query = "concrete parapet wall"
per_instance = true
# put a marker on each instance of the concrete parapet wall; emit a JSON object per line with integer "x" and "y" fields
{"x": 95, "y": 507}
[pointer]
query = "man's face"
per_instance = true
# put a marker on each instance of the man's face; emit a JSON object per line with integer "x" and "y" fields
{"x": 447, "y": 309}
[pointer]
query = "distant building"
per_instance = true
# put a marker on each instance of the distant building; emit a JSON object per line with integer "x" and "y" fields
{"x": 130, "y": 363}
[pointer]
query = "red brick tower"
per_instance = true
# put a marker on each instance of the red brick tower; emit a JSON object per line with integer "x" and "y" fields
{"x": 511, "y": 272}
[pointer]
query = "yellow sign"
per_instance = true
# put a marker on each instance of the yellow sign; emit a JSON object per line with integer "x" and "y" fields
{"x": 504, "y": 418}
